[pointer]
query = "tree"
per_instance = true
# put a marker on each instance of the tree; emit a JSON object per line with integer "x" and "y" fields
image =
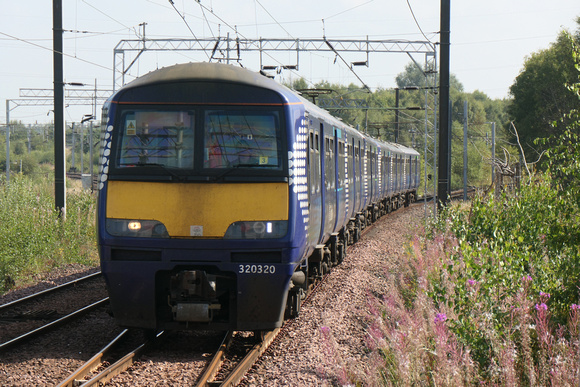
{"x": 540, "y": 95}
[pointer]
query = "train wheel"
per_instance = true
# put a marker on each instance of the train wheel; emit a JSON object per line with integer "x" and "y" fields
{"x": 356, "y": 234}
{"x": 325, "y": 269}
{"x": 260, "y": 335}
{"x": 341, "y": 252}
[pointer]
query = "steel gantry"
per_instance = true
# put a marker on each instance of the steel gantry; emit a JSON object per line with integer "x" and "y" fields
{"x": 228, "y": 50}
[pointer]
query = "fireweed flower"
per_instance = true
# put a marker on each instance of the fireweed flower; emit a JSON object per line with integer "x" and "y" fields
{"x": 526, "y": 278}
{"x": 574, "y": 307}
{"x": 471, "y": 282}
{"x": 440, "y": 317}
{"x": 541, "y": 306}
{"x": 545, "y": 295}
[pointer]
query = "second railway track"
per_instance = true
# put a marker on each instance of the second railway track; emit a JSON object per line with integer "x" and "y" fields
{"x": 34, "y": 314}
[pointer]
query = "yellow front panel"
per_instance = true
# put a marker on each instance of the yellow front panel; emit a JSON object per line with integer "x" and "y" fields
{"x": 191, "y": 209}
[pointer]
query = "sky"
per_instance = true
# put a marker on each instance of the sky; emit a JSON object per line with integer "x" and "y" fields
{"x": 489, "y": 40}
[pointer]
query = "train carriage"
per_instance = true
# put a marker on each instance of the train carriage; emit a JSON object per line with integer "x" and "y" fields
{"x": 223, "y": 194}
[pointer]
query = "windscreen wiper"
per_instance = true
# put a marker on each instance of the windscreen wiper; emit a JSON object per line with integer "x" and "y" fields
{"x": 231, "y": 169}
{"x": 163, "y": 167}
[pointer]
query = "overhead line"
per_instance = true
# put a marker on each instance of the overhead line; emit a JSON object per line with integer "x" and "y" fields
{"x": 107, "y": 15}
{"x": 51, "y": 50}
{"x": 346, "y": 63}
{"x": 416, "y": 22}
{"x": 350, "y": 9}
{"x": 187, "y": 24}
{"x": 273, "y": 18}
{"x": 206, "y": 20}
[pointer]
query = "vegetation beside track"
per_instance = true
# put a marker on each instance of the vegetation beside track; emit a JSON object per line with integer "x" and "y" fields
{"x": 33, "y": 239}
{"x": 490, "y": 294}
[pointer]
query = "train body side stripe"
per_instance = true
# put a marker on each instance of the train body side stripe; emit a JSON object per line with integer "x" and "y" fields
{"x": 179, "y": 206}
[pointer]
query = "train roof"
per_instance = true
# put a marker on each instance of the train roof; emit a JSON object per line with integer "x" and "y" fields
{"x": 204, "y": 71}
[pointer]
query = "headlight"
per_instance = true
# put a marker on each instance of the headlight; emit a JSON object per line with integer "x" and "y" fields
{"x": 257, "y": 230}
{"x": 136, "y": 228}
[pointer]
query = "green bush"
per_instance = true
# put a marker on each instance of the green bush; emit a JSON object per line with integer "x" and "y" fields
{"x": 33, "y": 239}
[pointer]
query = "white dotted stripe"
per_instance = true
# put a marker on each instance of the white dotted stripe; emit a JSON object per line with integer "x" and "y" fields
{"x": 105, "y": 155}
{"x": 297, "y": 170}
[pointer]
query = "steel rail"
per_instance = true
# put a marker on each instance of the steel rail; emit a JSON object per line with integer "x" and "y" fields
{"x": 50, "y": 290}
{"x": 121, "y": 365}
{"x": 248, "y": 361}
{"x": 92, "y": 364}
{"x": 53, "y": 324}
{"x": 216, "y": 362}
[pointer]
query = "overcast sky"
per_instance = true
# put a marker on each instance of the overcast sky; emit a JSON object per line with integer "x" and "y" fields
{"x": 489, "y": 39}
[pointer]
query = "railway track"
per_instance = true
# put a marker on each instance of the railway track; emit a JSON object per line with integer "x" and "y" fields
{"x": 98, "y": 370}
{"x": 36, "y": 314}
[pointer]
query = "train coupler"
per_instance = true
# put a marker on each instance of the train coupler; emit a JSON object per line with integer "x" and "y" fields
{"x": 193, "y": 296}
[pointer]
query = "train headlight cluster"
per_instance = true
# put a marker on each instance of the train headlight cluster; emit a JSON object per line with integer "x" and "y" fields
{"x": 257, "y": 230}
{"x": 136, "y": 228}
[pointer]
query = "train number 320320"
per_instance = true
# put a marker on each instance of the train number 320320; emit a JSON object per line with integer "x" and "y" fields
{"x": 256, "y": 269}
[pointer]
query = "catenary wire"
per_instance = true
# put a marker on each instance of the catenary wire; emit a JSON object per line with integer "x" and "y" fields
{"x": 416, "y": 22}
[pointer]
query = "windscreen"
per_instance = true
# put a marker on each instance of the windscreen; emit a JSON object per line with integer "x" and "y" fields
{"x": 242, "y": 138}
{"x": 156, "y": 137}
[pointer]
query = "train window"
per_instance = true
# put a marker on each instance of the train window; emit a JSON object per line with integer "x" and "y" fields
{"x": 316, "y": 142}
{"x": 311, "y": 140}
{"x": 327, "y": 145}
{"x": 156, "y": 137}
{"x": 242, "y": 138}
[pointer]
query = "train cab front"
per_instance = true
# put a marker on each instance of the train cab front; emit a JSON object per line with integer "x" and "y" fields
{"x": 194, "y": 214}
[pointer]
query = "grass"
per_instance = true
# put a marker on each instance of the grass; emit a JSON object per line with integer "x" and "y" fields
{"x": 33, "y": 239}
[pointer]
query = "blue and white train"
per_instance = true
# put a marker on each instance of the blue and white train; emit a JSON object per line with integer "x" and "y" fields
{"x": 223, "y": 195}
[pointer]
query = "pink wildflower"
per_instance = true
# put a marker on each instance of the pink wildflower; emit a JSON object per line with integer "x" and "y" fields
{"x": 440, "y": 317}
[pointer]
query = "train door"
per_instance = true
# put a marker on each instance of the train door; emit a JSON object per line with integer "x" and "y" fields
{"x": 329, "y": 183}
{"x": 351, "y": 192}
{"x": 389, "y": 174}
{"x": 397, "y": 173}
{"x": 340, "y": 157}
{"x": 357, "y": 187}
{"x": 365, "y": 174}
{"x": 314, "y": 184}
{"x": 409, "y": 172}
{"x": 371, "y": 171}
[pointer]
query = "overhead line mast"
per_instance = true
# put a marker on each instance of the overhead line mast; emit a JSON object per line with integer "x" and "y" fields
{"x": 443, "y": 184}
{"x": 59, "y": 137}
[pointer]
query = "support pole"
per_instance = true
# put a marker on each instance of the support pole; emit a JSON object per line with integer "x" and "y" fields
{"x": 492, "y": 152}
{"x": 72, "y": 156}
{"x": 465, "y": 150}
{"x": 397, "y": 127}
{"x": 7, "y": 141}
{"x": 59, "y": 133}
{"x": 444, "y": 117}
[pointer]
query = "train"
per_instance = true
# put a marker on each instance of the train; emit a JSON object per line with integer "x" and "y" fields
{"x": 224, "y": 195}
